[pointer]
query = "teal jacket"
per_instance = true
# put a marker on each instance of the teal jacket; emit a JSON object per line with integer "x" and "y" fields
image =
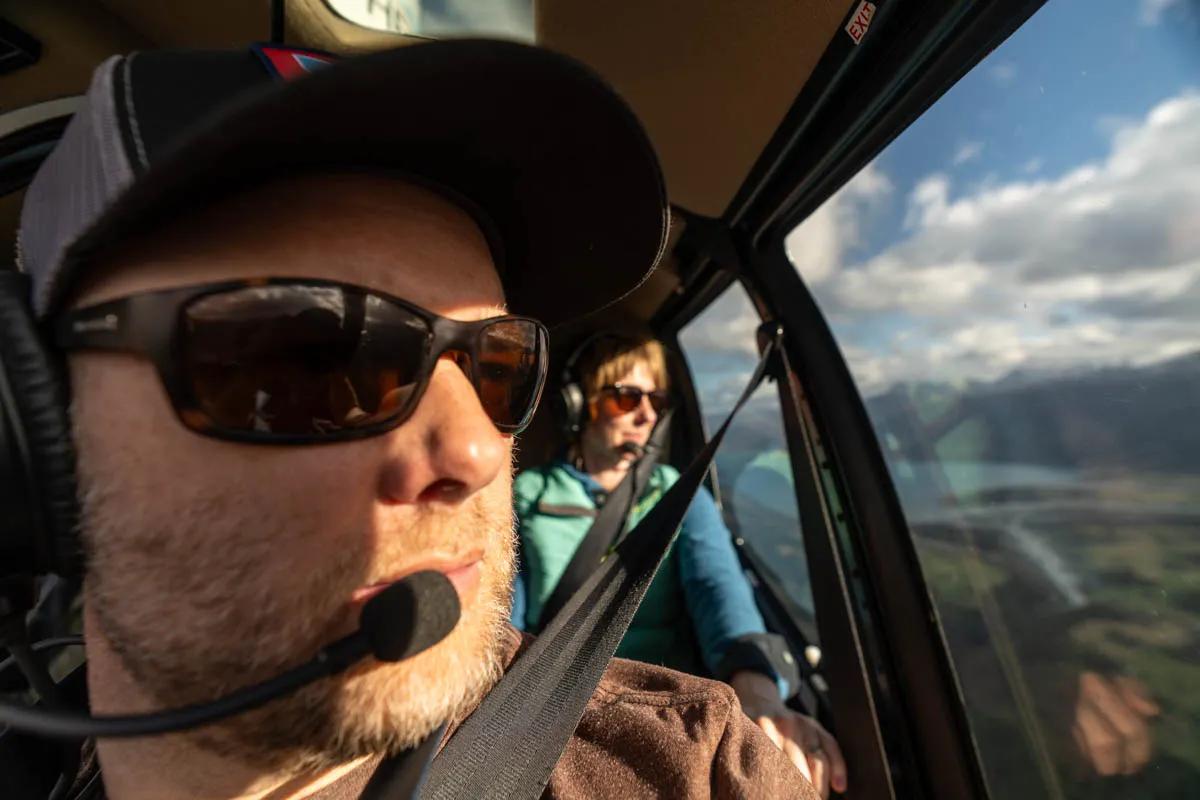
{"x": 699, "y": 603}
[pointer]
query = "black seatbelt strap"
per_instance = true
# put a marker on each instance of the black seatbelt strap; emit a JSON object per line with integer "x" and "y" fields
{"x": 608, "y": 525}
{"x": 508, "y": 748}
{"x": 402, "y": 776}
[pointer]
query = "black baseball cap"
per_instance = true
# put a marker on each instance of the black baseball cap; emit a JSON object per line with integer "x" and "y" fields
{"x": 551, "y": 161}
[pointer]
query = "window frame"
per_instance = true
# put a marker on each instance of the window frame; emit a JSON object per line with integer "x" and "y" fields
{"x": 690, "y": 432}
{"x": 862, "y": 557}
{"x": 895, "y": 698}
{"x": 852, "y": 675}
{"x": 902, "y": 640}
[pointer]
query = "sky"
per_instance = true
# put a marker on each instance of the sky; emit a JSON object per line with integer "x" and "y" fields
{"x": 1042, "y": 217}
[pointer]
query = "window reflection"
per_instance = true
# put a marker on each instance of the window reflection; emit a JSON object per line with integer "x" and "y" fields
{"x": 511, "y": 19}
{"x": 1015, "y": 283}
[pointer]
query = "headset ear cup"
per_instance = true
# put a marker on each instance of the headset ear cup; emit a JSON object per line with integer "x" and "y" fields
{"x": 572, "y": 406}
{"x": 40, "y": 415}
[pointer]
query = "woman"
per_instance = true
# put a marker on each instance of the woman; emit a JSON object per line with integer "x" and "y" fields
{"x": 699, "y": 613}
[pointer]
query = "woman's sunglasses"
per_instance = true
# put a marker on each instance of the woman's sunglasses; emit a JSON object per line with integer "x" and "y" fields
{"x": 284, "y": 361}
{"x": 619, "y": 399}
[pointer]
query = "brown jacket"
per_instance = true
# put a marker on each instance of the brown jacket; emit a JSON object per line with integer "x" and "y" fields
{"x": 647, "y": 732}
{"x": 651, "y": 732}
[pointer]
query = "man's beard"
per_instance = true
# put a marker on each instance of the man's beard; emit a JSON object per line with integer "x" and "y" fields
{"x": 201, "y": 600}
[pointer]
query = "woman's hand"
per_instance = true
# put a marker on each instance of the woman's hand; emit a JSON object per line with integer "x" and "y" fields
{"x": 1112, "y": 723}
{"x": 811, "y": 748}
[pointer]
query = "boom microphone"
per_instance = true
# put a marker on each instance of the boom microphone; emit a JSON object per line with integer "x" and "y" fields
{"x": 632, "y": 447}
{"x": 411, "y": 615}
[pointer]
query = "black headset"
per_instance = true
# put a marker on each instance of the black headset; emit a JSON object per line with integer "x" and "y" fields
{"x": 39, "y": 507}
{"x": 571, "y": 405}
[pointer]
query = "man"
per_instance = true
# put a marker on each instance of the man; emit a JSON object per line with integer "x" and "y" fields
{"x": 699, "y": 615}
{"x": 250, "y": 481}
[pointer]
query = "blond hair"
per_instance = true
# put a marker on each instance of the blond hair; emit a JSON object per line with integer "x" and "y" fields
{"x": 611, "y": 357}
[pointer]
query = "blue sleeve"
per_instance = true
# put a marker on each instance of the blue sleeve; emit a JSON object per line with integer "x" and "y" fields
{"x": 527, "y": 486}
{"x": 719, "y": 598}
{"x": 519, "y": 602}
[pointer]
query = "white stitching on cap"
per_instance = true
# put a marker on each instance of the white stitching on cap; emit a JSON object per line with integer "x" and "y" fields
{"x": 19, "y": 252}
{"x": 133, "y": 120}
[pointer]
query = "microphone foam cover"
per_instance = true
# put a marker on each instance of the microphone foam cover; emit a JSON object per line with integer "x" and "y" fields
{"x": 413, "y": 614}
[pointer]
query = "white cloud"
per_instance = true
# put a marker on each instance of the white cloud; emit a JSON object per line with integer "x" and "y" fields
{"x": 1099, "y": 265}
{"x": 720, "y": 342}
{"x": 1003, "y": 73}
{"x": 1150, "y": 12}
{"x": 726, "y": 326}
{"x": 819, "y": 246}
{"x": 967, "y": 151}
{"x": 887, "y": 282}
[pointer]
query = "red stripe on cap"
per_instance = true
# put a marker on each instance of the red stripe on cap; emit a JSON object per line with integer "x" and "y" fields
{"x": 292, "y": 62}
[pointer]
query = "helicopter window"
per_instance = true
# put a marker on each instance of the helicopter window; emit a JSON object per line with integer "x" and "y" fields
{"x": 1014, "y": 283}
{"x": 753, "y": 471}
{"x": 512, "y": 19}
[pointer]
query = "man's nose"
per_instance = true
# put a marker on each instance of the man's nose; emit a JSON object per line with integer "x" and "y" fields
{"x": 448, "y": 449}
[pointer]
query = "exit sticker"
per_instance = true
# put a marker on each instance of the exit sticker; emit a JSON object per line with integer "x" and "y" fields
{"x": 857, "y": 27}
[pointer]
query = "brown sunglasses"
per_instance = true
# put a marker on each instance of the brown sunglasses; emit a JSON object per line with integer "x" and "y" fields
{"x": 297, "y": 361}
{"x": 619, "y": 399}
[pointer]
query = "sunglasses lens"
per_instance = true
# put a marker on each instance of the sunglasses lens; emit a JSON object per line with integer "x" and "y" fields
{"x": 628, "y": 399}
{"x": 618, "y": 400}
{"x": 297, "y": 360}
{"x": 511, "y": 371}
